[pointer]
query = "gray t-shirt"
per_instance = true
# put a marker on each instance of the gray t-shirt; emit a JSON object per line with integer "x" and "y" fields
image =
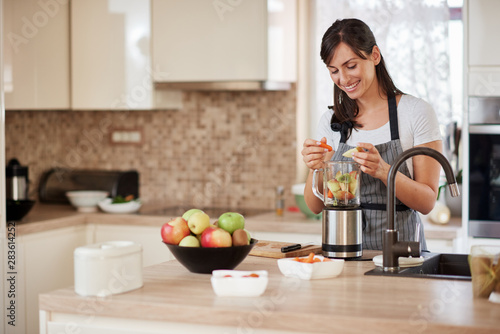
{"x": 417, "y": 120}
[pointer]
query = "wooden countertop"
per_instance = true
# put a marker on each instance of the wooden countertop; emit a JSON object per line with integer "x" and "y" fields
{"x": 349, "y": 303}
{"x": 44, "y": 217}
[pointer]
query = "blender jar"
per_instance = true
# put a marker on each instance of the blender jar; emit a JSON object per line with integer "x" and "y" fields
{"x": 341, "y": 184}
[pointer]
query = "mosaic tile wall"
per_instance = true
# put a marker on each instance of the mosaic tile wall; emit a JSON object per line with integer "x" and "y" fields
{"x": 224, "y": 149}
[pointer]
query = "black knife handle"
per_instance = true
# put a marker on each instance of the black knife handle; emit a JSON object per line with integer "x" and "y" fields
{"x": 290, "y": 248}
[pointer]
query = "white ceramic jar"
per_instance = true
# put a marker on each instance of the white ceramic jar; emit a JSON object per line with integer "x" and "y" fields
{"x": 108, "y": 268}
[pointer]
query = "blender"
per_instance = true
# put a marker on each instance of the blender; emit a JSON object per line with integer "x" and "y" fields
{"x": 342, "y": 224}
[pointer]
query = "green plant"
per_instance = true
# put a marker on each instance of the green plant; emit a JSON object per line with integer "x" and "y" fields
{"x": 459, "y": 181}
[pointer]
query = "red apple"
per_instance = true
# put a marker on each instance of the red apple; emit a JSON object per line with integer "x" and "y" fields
{"x": 175, "y": 230}
{"x": 216, "y": 237}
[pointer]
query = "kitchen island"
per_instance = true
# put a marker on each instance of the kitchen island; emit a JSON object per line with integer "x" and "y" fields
{"x": 175, "y": 300}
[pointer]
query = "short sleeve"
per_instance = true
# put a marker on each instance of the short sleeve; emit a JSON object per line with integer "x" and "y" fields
{"x": 425, "y": 124}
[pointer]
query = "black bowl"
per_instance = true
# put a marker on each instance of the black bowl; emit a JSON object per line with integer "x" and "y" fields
{"x": 203, "y": 260}
{"x": 17, "y": 209}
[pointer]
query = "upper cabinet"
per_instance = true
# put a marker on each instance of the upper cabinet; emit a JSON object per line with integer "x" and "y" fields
{"x": 36, "y": 54}
{"x": 483, "y": 26}
{"x": 110, "y": 57}
{"x": 482, "y": 47}
{"x": 197, "y": 41}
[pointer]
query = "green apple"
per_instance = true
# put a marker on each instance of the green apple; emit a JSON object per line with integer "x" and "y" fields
{"x": 190, "y": 241}
{"x": 189, "y": 212}
{"x": 198, "y": 222}
{"x": 248, "y": 235}
{"x": 231, "y": 221}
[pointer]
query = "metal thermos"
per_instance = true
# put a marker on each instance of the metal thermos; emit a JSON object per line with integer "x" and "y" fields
{"x": 16, "y": 181}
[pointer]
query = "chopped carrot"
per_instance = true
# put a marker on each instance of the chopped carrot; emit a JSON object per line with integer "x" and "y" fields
{"x": 330, "y": 194}
{"x": 227, "y": 276}
{"x": 324, "y": 145}
{"x": 325, "y": 259}
{"x": 252, "y": 275}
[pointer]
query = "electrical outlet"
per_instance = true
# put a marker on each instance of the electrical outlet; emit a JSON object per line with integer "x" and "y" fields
{"x": 132, "y": 136}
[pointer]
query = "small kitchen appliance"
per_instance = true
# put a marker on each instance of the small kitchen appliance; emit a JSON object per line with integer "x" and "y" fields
{"x": 17, "y": 185}
{"x": 342, "y": 215}
{"x": 16, "y": 180}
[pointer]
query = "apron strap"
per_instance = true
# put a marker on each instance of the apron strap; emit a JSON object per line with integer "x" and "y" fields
{"x": 383, "y": 207}
{"x": 393, "y": 118}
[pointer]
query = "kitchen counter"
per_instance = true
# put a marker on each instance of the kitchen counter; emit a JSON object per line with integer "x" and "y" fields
{"x": 179, "y": 301}
{"x": 46, "y": 217}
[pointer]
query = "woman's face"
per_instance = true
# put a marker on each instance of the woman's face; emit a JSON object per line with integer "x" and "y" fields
{"x": 354, "y": 75}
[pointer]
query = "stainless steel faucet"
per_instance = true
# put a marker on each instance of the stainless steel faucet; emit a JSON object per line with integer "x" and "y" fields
{"x": 392, "y": 248}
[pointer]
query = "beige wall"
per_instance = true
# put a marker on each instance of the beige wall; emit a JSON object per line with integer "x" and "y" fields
{"x": 223, "y": 149}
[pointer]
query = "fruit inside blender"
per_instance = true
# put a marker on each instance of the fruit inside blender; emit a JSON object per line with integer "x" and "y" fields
{"x": 343, "y": 190}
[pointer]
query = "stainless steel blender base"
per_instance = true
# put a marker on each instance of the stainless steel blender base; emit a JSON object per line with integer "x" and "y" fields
{"x": 342, "y": 233}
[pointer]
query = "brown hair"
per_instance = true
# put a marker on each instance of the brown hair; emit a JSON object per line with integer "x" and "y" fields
{"x": 358, "y": 36}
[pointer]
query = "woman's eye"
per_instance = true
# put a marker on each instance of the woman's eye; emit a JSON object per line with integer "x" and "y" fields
{"x": 351, "y": 67}
{"x": 335, "y": 72}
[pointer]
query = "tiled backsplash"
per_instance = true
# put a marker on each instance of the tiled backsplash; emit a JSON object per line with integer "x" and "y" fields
{"x": 227, "y": 149}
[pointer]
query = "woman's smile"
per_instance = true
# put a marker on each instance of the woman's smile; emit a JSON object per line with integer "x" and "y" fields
{"x": 352, "y": 87}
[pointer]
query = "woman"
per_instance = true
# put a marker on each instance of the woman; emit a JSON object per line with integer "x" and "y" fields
{"x": 371, "y": 113}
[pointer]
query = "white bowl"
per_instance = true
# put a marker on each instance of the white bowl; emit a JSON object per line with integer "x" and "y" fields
{"x": 237, "y": 283}
{"x": 106, "y": 205}
{"x": 86, "y": 200}
{"x": 307, "y": 271}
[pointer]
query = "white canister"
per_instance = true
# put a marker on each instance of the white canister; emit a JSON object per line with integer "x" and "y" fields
{"x": 108, "y": 268}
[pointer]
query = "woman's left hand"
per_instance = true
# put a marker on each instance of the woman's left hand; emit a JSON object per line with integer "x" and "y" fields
{"x": 371, "y": 162}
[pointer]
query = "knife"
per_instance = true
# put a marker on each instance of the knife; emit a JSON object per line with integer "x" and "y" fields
{"x": 290, "y": 248}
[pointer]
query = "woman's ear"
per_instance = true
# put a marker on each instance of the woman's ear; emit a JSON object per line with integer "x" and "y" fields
{"x": 376, "y": 55}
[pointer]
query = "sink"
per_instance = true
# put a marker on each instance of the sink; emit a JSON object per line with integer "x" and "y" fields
{"x": 439, "y": 266}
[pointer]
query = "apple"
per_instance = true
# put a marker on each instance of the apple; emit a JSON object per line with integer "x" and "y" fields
{"x": 343, "y": 195}
{"x": 190, "y": 241}
{"x": 240, "y": 238}
{"x": 333, "y": 185}
{"x": 198, "y": 222}
{"x": 231, "y": 221}
{"x": 189, "y": 212}
{"x": 216, "y": 237}
{"x": 248, "y": 234}
{"x": 353, "y": 186}
{"x": 174, "y": 231}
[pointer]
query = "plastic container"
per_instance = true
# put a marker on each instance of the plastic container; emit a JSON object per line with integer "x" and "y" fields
{"x": 108, "y": 268}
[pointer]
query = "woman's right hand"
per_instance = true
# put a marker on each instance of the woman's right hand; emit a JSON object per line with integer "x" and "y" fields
{"x": 314, "y": 155}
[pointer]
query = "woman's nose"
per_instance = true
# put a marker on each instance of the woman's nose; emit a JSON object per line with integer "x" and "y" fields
{"x": 343, "y": 78}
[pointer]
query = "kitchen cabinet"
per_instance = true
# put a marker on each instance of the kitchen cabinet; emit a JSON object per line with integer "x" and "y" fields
{"x": 224, "y": 41}
{"x": 482, "y": 48}
{"x": 153, "y": 249}
{"x": 45, "y": 263}
{"x": 36, "y": 54}
{"x": 110, "y": 57}
{"x": 483, "y": 25}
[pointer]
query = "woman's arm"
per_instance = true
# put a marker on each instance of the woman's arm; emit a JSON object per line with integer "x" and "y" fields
{"x": 420, "y": 193}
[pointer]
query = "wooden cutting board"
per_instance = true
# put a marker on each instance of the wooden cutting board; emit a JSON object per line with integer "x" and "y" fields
{"x": 272, "y": 249}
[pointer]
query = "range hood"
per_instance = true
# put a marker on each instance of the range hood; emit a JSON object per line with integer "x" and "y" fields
{"x": 224, "y": 86}
{"x": 241, "y": 46}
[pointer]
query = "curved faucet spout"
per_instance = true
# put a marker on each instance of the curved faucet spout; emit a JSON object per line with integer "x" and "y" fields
{"x": 391, "y": 177}
{"x": 392, "y": 248}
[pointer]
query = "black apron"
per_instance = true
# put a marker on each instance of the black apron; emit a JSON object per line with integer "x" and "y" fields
{"x": 374, "y": 192}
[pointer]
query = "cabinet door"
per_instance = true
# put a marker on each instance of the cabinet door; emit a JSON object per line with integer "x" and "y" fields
{"x": 36, "y": 54}
{"x": 153, "y": 249}
{"x": 199, "y": 40}
{"x": 483, "y": 27}
{"x": 110, "y": 54}
{"x": 46, "y": 263}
